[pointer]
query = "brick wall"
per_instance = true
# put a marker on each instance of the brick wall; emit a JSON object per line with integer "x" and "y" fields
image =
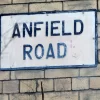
{"x": 58, "y": 84}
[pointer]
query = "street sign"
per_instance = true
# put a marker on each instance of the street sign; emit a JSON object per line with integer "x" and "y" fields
{"x": 49, "y": 40}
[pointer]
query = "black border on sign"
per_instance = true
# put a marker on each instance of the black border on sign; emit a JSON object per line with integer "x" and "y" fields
{"x": 55, "y": 67}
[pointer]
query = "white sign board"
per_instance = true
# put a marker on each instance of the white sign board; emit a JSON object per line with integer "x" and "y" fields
{"x": 48, "y": 40}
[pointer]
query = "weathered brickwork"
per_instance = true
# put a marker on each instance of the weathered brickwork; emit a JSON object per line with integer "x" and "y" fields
{"x": 99, "y": 17}
{"x": 10, "y": 86}
{"x": 59, "y": 96}
{"x": 29, "y": 74}
{"x": 22, "y": 97}
{"x": 47, "y": 84}
{"x": 79, "y": 5}
{"x": 80, "y": 83}
{"x": 27, "y": 86}
{"x": 95, "y": 82}
{"x": 1, "y": 87}
{"x": 5, "y": 2}
{"x": 3, "y": 97}
{"x": 90, "y": 95}
{"x": 45, "y": 6}
{"x": 13, "y": 8}
{"x": 98, "y": 30}
{"x": 62, "y": 84}
{"x": 55, "y": 73}
{"x": 90, "y": 71}
{"x": 4, "y": 75}
{"x": 27, "y": 1}
{"x": 55, "y": 84}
